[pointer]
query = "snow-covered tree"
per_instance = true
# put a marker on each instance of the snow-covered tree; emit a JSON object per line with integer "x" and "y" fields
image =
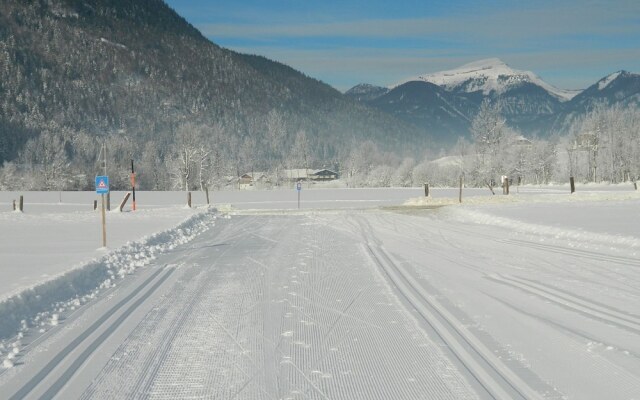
{"x": 47, "y": 155}
{"x": 488, "y": 130}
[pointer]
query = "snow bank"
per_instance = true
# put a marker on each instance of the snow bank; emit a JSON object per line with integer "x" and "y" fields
{"x": 585, "y": 216}
{"x": 570, "y": 233}
{"x": 531, "y": 195}
{"x": 39, "y": 305}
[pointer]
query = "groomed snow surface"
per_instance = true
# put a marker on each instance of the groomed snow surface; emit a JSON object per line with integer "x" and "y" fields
{"x": 357, "y": 294}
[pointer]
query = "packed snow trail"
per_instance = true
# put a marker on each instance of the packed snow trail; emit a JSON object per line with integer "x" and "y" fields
{"x": 559, "y": 312}
{"x": 354, "y": 305}
{"x": 259, "y": 307}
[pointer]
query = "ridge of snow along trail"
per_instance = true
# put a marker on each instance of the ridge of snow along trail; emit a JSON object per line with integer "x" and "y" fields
{"x": 41, "y": 307}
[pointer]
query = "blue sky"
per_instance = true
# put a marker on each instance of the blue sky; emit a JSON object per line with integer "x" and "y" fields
{"x": 569, "y": 43}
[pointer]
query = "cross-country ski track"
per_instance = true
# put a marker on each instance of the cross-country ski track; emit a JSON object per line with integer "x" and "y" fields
{"x": 351, "y": 304}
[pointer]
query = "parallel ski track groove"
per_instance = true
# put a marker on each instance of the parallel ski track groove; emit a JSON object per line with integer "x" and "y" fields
{"x": 79, "y": 360}
{"x": 447, "y": 329}
{"x": 594, "y": 311}
{"x": 153, "y": 360}
{"x": 157, "y": 357}
{"x": 577, "y": 252}
{"x": 623, "y": 280}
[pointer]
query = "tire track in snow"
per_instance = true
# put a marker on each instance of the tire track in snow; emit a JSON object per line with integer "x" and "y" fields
{"x": 498, "y": 380}
{"x": 34, "y": 382}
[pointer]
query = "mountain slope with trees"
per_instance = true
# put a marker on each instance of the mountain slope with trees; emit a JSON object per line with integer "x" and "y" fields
{"x": 137, "y": 76}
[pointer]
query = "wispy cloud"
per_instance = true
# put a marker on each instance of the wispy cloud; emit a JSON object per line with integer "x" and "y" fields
{"x": 505, "y": 25}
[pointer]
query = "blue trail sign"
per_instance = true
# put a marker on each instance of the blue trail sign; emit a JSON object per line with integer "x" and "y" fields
{"x": 102, "y": 184}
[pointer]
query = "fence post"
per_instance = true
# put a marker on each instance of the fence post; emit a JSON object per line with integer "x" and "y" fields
{"x": 14, "y": 204}
{"x": 21, "y": 203}
{"x": 572, "y": 183}
{"x": 635, "y": 185}
{"x": 460, "y": 195}
{"x": 506, "y": 185}
{"x": 95, "y": 205}
{"x": 189, "y": 199}
{"x": 206, "y": 190}
{"x": 426, "y": 190}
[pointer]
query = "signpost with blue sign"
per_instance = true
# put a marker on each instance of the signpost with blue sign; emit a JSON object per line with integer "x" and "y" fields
{"x": 102, "y": 184}
{"x": 102, "y": 188}
{"x": 299, "y": 188}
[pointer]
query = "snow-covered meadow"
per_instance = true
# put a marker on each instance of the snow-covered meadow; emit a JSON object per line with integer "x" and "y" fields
{"x": 478, "y": 274}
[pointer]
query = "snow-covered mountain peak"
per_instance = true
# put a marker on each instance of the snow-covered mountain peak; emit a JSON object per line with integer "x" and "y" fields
{"x": 489, "y": 75}
{"x": 604, "y": 82}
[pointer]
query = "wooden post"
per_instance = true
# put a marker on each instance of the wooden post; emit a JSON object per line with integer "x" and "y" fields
{"x": 133, "y": 187}
{"x": 21, "y": 203}
{"x": 573, "y": 184}
{"x": 124, "y": 201}
{"x": 95, "y": 205}
{"x": 14, "y": 204}
{"x": 189, "y": 199}
{"x": 426, "y": 190}
{"x": 206, "y": 190}
{"x": 506, "y": 186}
{"x": 109, "y": 201}
{"x": 460, "y": 195}
{"x": 104, "y": 224}
{"x": 635, "y": 185}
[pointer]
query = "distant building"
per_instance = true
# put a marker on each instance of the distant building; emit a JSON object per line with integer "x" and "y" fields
{"x": 314, "y": 175}
{"x": 324, "y": 175}
{"x": 261, "y": 179}
{"x": 253, "y": 179}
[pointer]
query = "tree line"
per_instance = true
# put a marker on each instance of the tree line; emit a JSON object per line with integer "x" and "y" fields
{"x": 603, "y": 145}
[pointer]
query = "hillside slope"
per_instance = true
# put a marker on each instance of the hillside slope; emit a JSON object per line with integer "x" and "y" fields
{"x": 138, "y": 69}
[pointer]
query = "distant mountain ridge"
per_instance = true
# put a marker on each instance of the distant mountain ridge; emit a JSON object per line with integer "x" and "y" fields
{"x": 445, "y": 102}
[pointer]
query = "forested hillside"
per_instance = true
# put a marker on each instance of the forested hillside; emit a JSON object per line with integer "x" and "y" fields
{"x": 134, "y": 74}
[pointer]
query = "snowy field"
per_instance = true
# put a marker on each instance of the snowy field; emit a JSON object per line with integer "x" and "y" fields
{"x": 359, "y": 294}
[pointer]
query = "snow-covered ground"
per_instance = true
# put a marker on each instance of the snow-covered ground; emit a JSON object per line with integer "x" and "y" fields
{"x": 532, "y": 295}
